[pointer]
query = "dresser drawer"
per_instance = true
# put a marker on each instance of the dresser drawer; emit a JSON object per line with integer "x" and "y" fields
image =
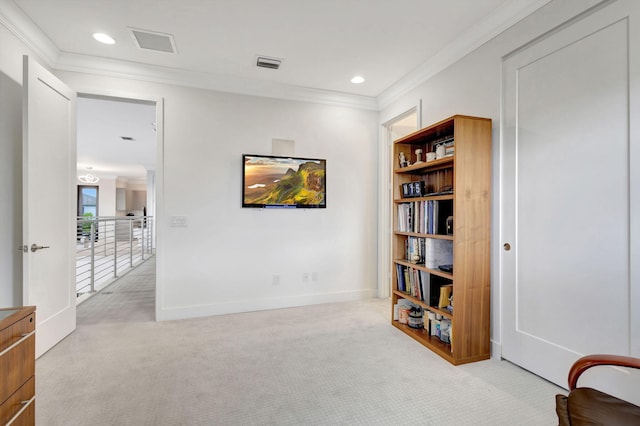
{"x": 23, "y": 399}
{"x": 17, "y": 355}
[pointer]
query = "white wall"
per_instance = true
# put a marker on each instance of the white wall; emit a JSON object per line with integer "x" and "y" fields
{"x": 225, "y": 259}
{"x": 107, "y": 197}
{"x": 11, "y": 167}
{"x": 10, "y": 191}
{"x": 472, "y": 86}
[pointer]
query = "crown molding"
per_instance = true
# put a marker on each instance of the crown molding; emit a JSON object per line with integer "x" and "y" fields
{"x": 15, "y": 20}
{"x": 20, "y": 25}
{"x": 502, "y": 18}
{"x": 218, "y": 82}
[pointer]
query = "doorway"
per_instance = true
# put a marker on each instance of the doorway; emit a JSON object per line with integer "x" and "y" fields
{"x": 395, "y": 128}
{"x": 117, "y": 145}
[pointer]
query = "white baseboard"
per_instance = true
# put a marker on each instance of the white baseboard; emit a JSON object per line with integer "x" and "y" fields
{"x": 196, "y": 311}
{"x": 496, "y": 350}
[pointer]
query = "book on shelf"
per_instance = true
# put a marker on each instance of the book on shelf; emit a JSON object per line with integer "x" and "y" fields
{"x": 415, "y": 249}
{"x": 417, "y": 286}
{"x": 425, "y": 283}
{"x": 422, "y": 285}
{"x": 400, "y": 277}
{"x": 424, "y": 217}
{"x": 410, "y": 281}
{"x": 445, "y": 294}
{"x": 438, "y": 252}
{"x": 430, "y": 252}
{"x": 435, "y": 284}
{"x": 433, "y": 213}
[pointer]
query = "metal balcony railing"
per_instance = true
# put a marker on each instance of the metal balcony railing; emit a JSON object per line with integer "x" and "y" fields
{"x": 106, "y": 247}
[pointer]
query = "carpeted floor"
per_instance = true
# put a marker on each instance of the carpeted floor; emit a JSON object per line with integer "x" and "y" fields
{"x": 333, "y": 364}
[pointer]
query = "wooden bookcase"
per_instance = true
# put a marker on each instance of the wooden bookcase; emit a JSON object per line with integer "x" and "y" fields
{"x": 460, "y": 185}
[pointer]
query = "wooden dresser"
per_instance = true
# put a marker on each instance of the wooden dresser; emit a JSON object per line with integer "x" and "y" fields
{"x": 17, "y": 366}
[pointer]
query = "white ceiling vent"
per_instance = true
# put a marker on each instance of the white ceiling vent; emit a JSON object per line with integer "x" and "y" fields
{"x": 266, "y": 62}
{"x": 150, "y": 40}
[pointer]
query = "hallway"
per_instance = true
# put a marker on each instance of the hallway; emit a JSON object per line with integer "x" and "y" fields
{"x": 129, "y": 299}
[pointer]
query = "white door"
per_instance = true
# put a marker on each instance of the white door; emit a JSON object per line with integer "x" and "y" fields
{"x": 569, "y": 181}
{"x": 49, "y": 157}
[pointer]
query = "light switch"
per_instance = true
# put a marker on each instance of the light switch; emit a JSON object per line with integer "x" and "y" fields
{"x": 178, "y": 221}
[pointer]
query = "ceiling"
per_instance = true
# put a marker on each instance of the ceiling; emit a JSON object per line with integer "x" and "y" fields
{"x": 101, "y": 149}
{"x": 323, "y": 44}
{"x": 395, "y": 45}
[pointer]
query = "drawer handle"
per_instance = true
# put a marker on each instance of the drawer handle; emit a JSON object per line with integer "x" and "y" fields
{"x": 24, "y": 337}
{"x": 25, "y": 405}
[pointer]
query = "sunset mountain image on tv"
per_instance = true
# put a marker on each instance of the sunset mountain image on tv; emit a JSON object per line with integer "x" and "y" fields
{"x": 271, "y": 181}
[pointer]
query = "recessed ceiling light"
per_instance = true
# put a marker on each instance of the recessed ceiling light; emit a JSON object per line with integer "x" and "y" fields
{"x": 357, "y": 79}
{"x": 103, "y": 38}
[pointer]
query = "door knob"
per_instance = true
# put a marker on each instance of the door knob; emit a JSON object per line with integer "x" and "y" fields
{"x": 507, "y": 246}
{"x": 35, "y": 248}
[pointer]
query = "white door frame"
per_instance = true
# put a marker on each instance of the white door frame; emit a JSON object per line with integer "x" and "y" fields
{"x": 159, "y": 173}
{"x": 385, "y": 197}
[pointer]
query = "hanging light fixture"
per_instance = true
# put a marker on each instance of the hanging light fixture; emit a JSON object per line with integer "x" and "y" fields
{"x": 88, "y": 178}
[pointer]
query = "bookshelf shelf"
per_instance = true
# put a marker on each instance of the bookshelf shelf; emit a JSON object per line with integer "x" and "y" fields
{"x": 423, "y": 232}
{"x": 433, "y": 309}
{"x": 431, "y": 342}
{"x": 421, "y": 267}
{"x": 442, "y": 163}
{"x": 432, "y": 197}
{"x": 416, "y": 234}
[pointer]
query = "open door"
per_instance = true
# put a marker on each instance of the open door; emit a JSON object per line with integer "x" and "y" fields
{"x": 570, "y": 201}
{"x": 49, "y": 163}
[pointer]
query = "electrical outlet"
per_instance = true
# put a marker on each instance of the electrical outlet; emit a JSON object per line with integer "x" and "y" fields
{"x": 276, "y": 279}
{"x": 305, "y": 277}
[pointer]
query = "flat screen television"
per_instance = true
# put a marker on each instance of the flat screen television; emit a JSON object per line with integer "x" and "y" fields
{"x": 283, "y": 182}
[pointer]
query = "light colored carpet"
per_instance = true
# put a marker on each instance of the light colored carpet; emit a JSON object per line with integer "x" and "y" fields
{"x": 334, "y": 364}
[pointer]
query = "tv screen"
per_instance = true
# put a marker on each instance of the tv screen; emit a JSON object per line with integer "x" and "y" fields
{"x": 283, "y": 182}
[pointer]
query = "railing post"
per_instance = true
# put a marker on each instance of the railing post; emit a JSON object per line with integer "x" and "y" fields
{"x": 142, "y": 240}
{"x": 130, "y": 243}
{"x": 115, "y": 248}
{"x": 92, "y": 235}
